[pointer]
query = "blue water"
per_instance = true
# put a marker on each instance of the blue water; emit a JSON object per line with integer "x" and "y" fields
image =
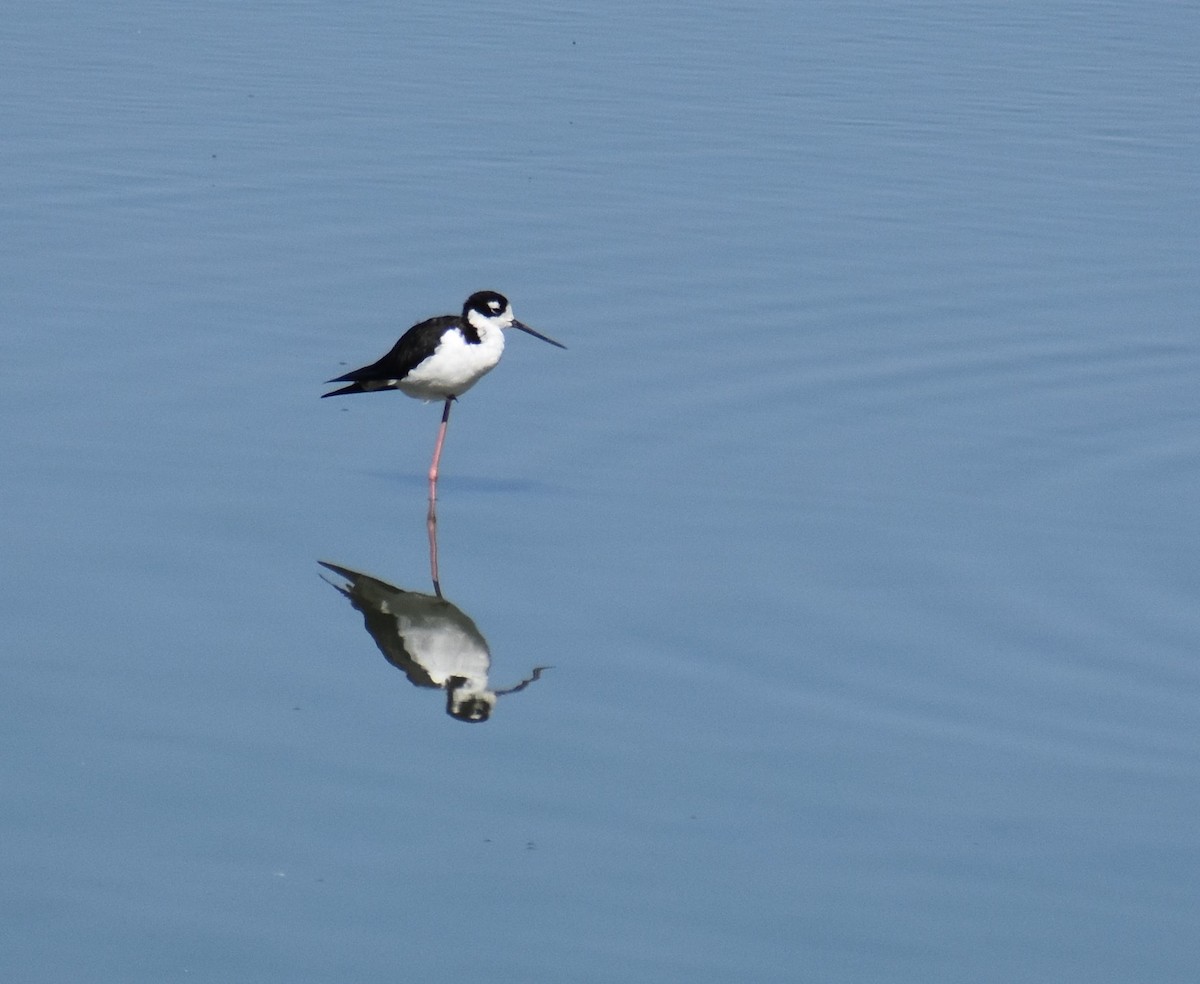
{"x": 858, "y": 522}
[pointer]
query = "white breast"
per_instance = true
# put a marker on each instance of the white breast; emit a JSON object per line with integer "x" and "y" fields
{"x": 455, "y": 365}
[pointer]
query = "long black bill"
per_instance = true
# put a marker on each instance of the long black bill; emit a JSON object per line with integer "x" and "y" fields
{"x": 536, "y": 334}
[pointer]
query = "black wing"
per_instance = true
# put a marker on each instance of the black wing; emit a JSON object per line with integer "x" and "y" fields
{"x": 413, "y": 348}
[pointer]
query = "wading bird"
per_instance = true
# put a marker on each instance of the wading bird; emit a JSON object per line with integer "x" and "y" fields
{"x": 442, "y": 358}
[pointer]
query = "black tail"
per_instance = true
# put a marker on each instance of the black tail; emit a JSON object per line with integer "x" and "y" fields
{"x": 352, "y": 388}
{"x": 359, "y": 386}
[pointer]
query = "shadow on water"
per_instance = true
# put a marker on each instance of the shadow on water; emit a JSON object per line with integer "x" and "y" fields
{"x": 473, "y": 483}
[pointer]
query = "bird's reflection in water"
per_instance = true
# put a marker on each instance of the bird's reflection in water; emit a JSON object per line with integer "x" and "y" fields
{"x": 434, "y": 642}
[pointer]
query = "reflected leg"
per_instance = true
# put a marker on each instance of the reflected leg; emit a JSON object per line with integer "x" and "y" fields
{"x": 431, "y": 526}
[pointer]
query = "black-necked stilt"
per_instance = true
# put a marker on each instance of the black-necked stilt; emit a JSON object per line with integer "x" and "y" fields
{"x": 442, "y": 358}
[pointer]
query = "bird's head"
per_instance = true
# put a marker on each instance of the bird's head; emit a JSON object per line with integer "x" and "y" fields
{"x": 487, "y": 309}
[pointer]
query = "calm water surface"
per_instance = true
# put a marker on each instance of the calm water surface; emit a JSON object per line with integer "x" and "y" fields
{"x": 858, "y": 522}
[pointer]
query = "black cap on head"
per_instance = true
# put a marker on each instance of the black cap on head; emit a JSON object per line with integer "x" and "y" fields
{"x": 486, "y": 302}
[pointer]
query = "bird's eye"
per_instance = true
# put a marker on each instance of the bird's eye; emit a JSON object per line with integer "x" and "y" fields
{"x": 494, "y": 305}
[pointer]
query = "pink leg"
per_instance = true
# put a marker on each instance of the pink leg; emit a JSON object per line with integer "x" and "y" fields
{"x": 431, "y": 520}
{"x": 437, "y": 452}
